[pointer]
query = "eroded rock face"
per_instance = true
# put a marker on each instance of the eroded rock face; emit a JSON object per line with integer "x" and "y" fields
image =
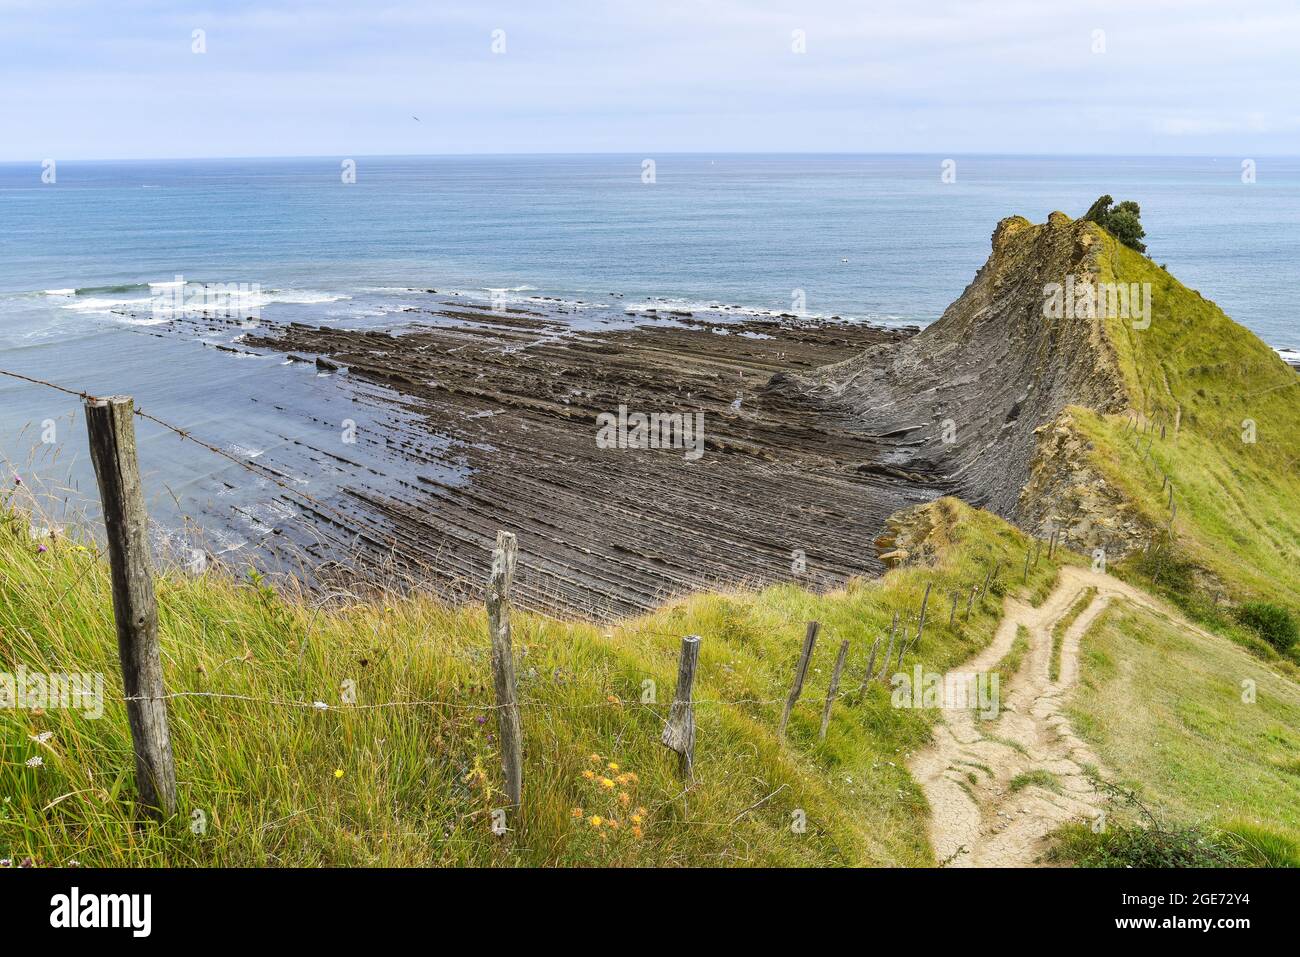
{"x": 964, "y": 400}
{"x": 1065, "y": 491}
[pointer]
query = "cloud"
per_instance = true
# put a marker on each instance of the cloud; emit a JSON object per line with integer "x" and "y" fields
{"x": 80, "y": 79}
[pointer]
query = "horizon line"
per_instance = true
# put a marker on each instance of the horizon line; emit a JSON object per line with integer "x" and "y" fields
{"x": 642, "y": 153}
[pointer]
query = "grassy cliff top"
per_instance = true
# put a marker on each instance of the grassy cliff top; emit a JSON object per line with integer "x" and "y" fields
{"x": 1231, "y": 448}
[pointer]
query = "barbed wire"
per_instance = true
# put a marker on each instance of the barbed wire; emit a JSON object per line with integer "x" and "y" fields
{"x": 253, "y": 468}
{"x": 431, "y": 703}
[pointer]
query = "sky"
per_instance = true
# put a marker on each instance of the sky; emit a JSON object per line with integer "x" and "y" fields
{"x": 122, "y": 80}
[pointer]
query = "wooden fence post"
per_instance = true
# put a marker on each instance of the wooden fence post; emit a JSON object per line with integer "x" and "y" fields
{"x": 800, "y": 672}
{"x": 952, "y": 612}
{"x": 503, "y": 665}
{"x": 920, "y": 628}
{"x": 889, "y": 653}
{"x": 906, "y": 645}
{"x": 1028, "y": 552}
{"x": 871, "y": 667}
{"x": 111, "y": 426}
{"x": 970, "y": 599}
{"x": 679, "y": 732}
{"x": 835, "y": 686}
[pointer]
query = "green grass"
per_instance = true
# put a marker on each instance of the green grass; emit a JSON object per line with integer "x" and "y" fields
{"x": 1063, "y": 625}
{"x": 1009, "y": 666}
{"x": 1038, "y": 778}
{"x": 410, "y": 774}
{"x": 1203, "y": 733}
{"x": 1236, "y": 531}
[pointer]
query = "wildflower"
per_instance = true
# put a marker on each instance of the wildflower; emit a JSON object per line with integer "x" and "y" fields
{"x": 637, "y": 819}
{"x": 595, "y": 759}
{"x": 35, "y": 762}
{"x": 576, "y": 812}
{"x": 481, "y": 719}
{"x": 607, "y": 784}
{"x": 42, "y": 737}
{"x": 6, "y": 862}
{"x": 612, "y": 766}
{"x": 637, "y": 833}
{"x": 320, "y": 706}
{"x": 631, "y": 776}
{"x": 17, "y": 480}
{"x": 612, "y": 699}
{"x": 41, "y": 549}
{"x": 594, "y": 820}
{"x": 338, "y": 773}
{"x": 641, "y": 812}
{"x": 589, "y": 774}
{"x": 624, "y": 798}
{"x": 613, "y": 823}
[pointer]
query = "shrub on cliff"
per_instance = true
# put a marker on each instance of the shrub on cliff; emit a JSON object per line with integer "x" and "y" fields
{"x": 1123, "y": 221}
{"x": 1271, "y": 622}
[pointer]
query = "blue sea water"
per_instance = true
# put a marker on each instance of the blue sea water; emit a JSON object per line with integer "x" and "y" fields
{"x": 876, "y": 237}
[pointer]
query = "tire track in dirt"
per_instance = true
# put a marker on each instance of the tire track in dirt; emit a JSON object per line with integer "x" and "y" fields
{"x": 977, "y": 820}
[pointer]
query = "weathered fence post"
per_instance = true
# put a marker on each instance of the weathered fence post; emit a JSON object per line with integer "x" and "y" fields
{"x": 952, "y": 612}
{"x": 970, "y": 599}
{"x": 889, "y": 652}
{"x": 503, "y": 665}
{"x": 1028, "y": 552}
{"x": 835, "y": 686}
{"x": 679, "y": 732}
{"x": 907, "y": 646}
{"x": 871, "y": 667}
{"x": 800, "y": 672}
{"x": 111, "y": 426}
{"x": 920, "y": 628}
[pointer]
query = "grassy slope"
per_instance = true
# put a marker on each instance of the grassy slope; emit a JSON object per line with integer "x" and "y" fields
{"x": 419, "y": 781}
{"x": 1237, "y": 514}
{"x": 1166, "y": 709}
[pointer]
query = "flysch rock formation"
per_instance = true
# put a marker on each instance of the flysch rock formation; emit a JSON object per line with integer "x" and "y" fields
{"x": 977, "y": 401}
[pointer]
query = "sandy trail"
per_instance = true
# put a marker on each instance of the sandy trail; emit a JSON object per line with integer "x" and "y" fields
{"x": 966, "y": 774}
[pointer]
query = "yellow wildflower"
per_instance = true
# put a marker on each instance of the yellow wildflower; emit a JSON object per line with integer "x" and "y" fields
{"x": 636, "y": 818}
{"x": 612, "y": 766}
{"x": 636, "y": 832}
{"x": 607, "y": 784}
{"x": 338, "y": 772}
{"x": 589, "y": 774}
{"x": 594, "y": 820}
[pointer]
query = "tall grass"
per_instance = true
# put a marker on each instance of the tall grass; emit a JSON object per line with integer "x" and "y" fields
{"x": 274, "y": 768}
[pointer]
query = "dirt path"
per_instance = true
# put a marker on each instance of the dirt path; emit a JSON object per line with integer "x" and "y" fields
{"x": 977, "y": 819}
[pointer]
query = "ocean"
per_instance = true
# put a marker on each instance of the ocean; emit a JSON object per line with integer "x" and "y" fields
{"x": 880, "y": 238}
